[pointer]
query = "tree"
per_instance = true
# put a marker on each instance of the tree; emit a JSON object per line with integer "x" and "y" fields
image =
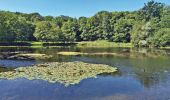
{"x": 48, "y": 18}
{"x": 35, "y": 17}
{"x": 5, "y": 34}
{"x": 161, "y": 38}
{"x": 141, "y": 27}
{"x": 162, "y": 31}
{"x": 55, "y": 34}
{"x": 47, "y": 31}
{"x": 15, "y": 28}
{"x": 122, "y": 30}
{"x": 108, "y": 30}
{"x": 150, "y": 10}
{"x": 89, "y": 30}
{"x": 23, "y": 30}
{"x": 165, "y": 19}
{"x": 69, "y": 30}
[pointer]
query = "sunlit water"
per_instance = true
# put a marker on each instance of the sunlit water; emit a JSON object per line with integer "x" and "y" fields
{"x": 144, "y": 74}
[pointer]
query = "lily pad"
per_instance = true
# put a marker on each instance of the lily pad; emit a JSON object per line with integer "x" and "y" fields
{"x": 67, "y": 73}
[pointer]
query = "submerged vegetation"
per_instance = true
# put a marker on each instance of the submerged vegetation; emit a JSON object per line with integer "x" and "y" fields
{"x": 64, "y": 53}
{"x": 67, "y": 73}
{"x": 23, "y": 56}
{"x": 31, "y": 56}
{"x": 148, "y": 26}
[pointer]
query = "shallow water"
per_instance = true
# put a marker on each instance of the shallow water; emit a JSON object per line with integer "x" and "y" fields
{"x": 144, "y": 74}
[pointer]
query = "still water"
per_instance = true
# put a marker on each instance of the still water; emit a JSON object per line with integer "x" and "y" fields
{"x": 144, "y": 74}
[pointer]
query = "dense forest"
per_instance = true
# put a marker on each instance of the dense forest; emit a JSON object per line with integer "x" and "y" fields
{"x": 148, "y": 26}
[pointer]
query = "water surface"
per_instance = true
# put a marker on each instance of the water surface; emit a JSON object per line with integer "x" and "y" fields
{"x": 144, "y": 74}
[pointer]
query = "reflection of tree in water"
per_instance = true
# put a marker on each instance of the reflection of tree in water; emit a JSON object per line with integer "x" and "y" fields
{"x": 146, "y": 52}
{"x": 120, "y": 52}
{"x": 150, "y": 80}
{"x": 151, "y": 72}
{"x": 17, "y": 49}
{"x": 149, "y": 65}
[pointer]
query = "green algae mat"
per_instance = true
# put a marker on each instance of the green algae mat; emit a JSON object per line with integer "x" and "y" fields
{"x": 67, "y": 73}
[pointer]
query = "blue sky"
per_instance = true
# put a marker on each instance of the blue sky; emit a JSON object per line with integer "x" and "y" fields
{"x": 73, "y": 8}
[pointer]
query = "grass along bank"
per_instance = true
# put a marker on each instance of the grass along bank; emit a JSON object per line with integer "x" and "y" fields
{"x": 102, "y": 43}
{"x": 167, "y": 47}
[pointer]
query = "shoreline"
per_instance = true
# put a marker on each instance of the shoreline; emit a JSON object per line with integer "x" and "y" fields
{"x": 83, "y": 44}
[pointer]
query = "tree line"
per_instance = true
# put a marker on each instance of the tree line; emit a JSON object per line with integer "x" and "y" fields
{"x": 148, "y": 26}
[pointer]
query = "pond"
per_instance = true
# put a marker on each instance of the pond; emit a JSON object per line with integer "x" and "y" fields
{"x": 144, "y": 74}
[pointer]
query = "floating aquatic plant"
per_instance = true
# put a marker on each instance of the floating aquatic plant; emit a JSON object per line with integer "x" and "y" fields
{"x": 67, "y": 73}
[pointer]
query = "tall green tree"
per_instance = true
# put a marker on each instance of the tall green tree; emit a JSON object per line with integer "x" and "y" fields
{"x": 5, "y": 33}
{"x": 48, "y": 31}
{"x": 150, "y": 10}
{"x": 69, "y": 30}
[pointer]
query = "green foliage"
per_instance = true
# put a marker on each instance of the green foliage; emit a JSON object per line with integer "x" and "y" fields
{"x": 122, "y": 29}
{"x": 155, "y": 18}
{"x": 14, "y": 28}
{"x": 4, "y": 31}
{"x": 139, "y": 27}
{"x": 161, "y": 38}
{"x": 69, "y": 31}
{"x": 119, "y": 37}
{"x": 47, "y": 31}
{"x": 165, "y": 19}
{"x": 42, "y": 30}
{"x": 150, "y": 10}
